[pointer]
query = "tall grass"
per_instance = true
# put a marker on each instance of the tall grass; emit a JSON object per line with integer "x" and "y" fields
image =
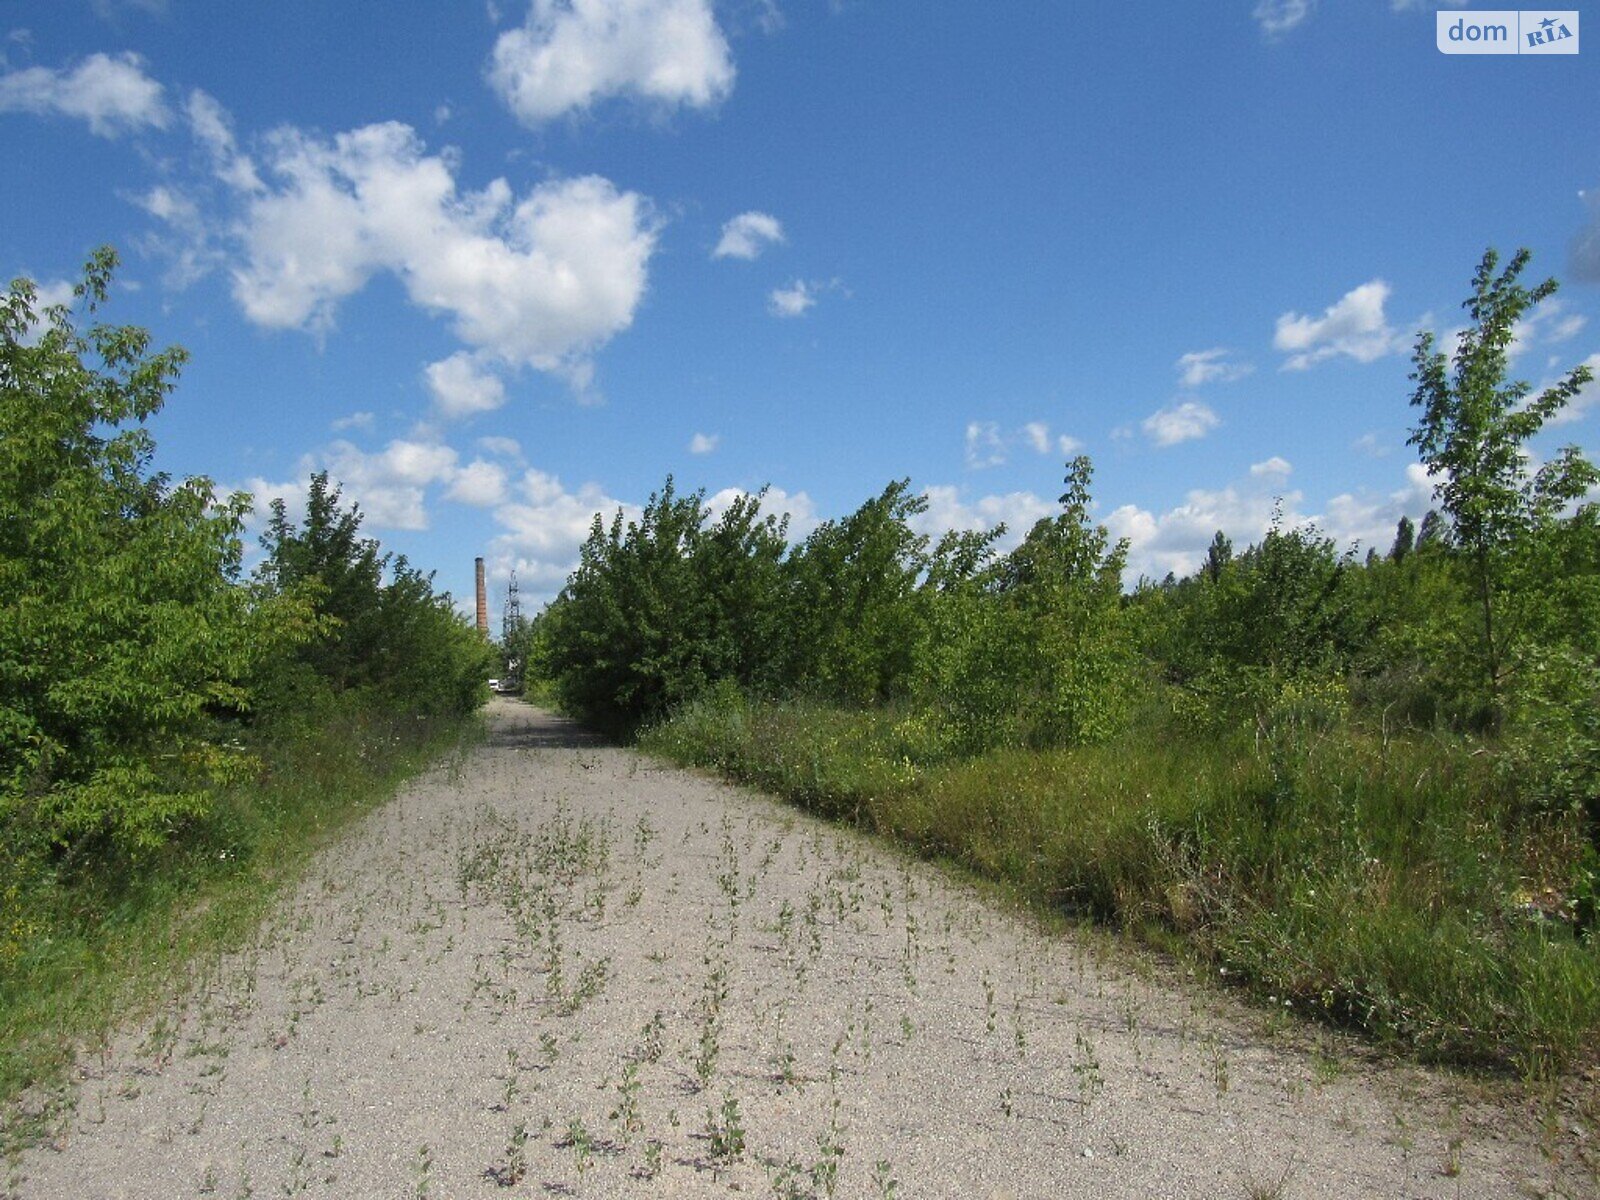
{"x": 1389, "y": 884}
{"x": 86, "y": 942}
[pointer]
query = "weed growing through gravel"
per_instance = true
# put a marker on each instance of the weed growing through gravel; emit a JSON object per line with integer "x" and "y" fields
{"x": 626, "y": 1113}
{"x": 422, "y": 1172}
{"x": 515, "y": 1167}
{"x": 883, "y": 1179}
{"x": 1086, "y": 1066}
{"x": 725, "y": 1130}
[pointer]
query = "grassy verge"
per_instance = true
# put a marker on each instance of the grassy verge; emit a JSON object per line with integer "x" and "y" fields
{"x": 85, "y": 948}
{"x": 1384, "y": 884}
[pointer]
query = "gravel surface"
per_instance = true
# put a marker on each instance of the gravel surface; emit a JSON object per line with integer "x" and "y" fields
{"x": 559, "y": 968}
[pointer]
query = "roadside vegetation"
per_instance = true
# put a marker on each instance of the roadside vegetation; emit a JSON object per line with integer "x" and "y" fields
{"x": 175, "y": 731}
{"x": 1366, "y": 785}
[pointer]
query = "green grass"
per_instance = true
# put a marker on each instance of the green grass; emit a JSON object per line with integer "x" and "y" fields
{"x": 1386, "y": 884}
{"x": 84, "y": 947}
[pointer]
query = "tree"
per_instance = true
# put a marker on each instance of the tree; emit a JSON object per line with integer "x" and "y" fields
{"x": 1472, "y": 436}
{"x": 1405, "y": 540}
{"x": 124, "y": 635}
{"x": 1218, "y": 555}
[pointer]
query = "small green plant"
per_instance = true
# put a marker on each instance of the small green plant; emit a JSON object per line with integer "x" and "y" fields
{"x": 515, "y": 1167}
{"x": 422, "y": 1173}
{"x": 626, "y": 1113}
{"x": 725, "y": 1130}
{"x": 651, "y": 1166}
{"x": 883, "y": 1179}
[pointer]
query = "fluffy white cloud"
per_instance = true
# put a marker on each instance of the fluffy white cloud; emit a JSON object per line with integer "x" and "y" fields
{"x": 797, "y": 507}
{"x": 1355, "y": 327}
{"x": 1176, "y": 540}
{"x": 1200, "y": 367}
{"x": 480, "y": 484}
{"x": 1280, "y": 16}
{"x": 544, "y": 525}
{"x": 1273, "y": 468}
{"x": 571, "y": 54}
{"x": 460, "y": 386}
{"x": 747, "y": 235}
{"x": 213, "y": 128}
{"x": 1180, "y": 423}
{"x": 113, "y": 95}
{"x": 793, "y": 300}
{"x": 542, "y": 282}
{"x": 704, "y": 443}
{"x": 947, "y": 510}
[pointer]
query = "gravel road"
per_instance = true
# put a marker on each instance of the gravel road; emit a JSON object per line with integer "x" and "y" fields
{"x": 554, "y": 967}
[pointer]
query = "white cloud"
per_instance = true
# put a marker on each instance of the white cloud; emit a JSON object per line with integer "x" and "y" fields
{"x": 1037, "y": 436}
{"x": 570, "y": 54}
{"x": 1355, "y": 327}
{"x": 356, "y": 420}
{"x": 460, "y": 385}
{"x": 747, "y": 235}
{"x": 1018, "y": 511}
{"x": 1273, "y": 468}
{"x": 212, "y": 127}
{"x": 1200, "y": 367}
{"x": 985, "y": 446}
{"x": 390, "y": 485}
{"x": 1369, "y": 445}
{"x": 113, "y": 95}
{"x": 502, "y": 447}
{"x": 793, "y": 300}
{"x": 797, "y": 506}
{"x": 704, "y": 443}
{"x": 543, "y": 281}
{"x": 480, "y": 484}
{"x": 1588, "y": 396}
{"x": 52, "y": 292}
{"x": 1180, "y": 423}
{"x": 47, "y": 294}
{"x": 1176, "y": 540}
{"x": 1548, "y": 325}
{"x": 544, "y": 526}
{"x": 1277, "y": 17}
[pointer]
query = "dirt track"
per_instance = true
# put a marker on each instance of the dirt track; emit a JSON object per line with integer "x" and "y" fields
{"x": 558, "y": 968}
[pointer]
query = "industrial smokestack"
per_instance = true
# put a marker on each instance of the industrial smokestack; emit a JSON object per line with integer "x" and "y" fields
{"x": 483, "y": 600}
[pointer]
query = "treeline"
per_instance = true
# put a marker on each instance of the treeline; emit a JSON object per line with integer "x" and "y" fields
{"x": 1369, "y": 783}
{"x": 142, "y": 671}
{"x": 1486, "y": 620}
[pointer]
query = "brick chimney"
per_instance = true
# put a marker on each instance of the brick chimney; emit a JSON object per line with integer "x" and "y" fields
{"x": 483, "y": 600}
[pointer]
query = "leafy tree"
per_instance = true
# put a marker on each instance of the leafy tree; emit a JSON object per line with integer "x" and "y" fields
{"x": 123, "y": 632}
{"x": 664, "y": 606}
{"x": 1472, "y": 435}
{"x": 853, "y": 616}
{"x": 1405, "y": 540}
{"x": 1063, "y": 589}
{"x": 395, "y": 639}
{"x": 1218, "y": 555}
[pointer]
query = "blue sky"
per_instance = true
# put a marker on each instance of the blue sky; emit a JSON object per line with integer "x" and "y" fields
{"x": 499, "y": 265}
